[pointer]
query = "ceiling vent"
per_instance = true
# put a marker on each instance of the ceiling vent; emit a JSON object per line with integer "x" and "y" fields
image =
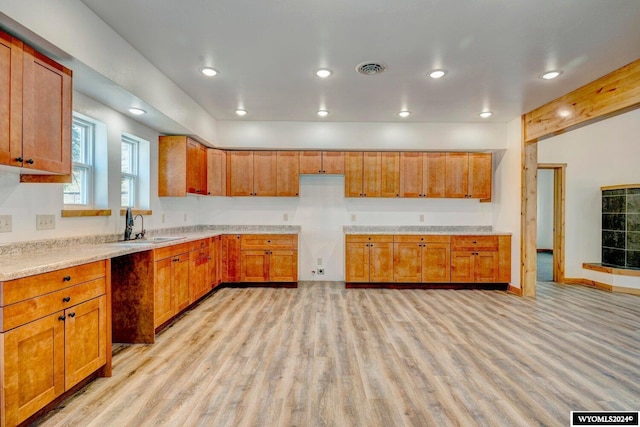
{"x": 371, "y": 68}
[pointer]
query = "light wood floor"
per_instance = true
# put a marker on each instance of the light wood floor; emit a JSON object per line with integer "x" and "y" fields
{"x": 321, "y": 355}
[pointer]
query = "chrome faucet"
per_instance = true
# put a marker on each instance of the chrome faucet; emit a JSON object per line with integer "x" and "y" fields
{"x": 140, "y": 235}
{"x": 128, "y": 224}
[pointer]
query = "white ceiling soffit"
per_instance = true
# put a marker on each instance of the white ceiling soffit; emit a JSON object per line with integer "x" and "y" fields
{"x": 266, "y": 53}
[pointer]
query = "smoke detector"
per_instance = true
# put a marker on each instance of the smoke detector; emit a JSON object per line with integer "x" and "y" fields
{"x": 370, "y": 68}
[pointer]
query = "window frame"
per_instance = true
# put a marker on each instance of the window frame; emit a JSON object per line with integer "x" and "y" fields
{"x": 87, "y": 166}
{"x": 133, "y": 176}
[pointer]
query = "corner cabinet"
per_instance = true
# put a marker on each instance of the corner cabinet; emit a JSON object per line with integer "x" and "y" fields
{"x": 182, "y": 167}
{"x": 55, "y": 333}
{"x": 35, "y": 109}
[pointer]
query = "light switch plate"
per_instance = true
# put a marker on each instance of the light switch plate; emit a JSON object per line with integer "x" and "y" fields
{"x": 5, "y": 223}
{"x": 421, "y": 217}
{"x": 45, "y": 222}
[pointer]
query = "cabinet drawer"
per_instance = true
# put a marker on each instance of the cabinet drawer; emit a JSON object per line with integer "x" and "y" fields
{"x": 367, "y": 238}
{"x": 474, "y": 243}
{"x": 199, "y": 244}
{"x": 268, "y": 241}
{"x": 169, "y": 251}
{"x": 14, "y": 291}
{"x": 26, "y": 311}
{"x": 421, "y": 239}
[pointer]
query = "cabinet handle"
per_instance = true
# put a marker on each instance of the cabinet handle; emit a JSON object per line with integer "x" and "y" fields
{"x": 66, "y": 279}
{"x": 72, "y": 315}
{"x": 61, "y": 318}
{"x": 19, "y": 159}
{"x": 66, "y": 299}
{"x": 319, "y": 171}
{"x": 30, "y": 161}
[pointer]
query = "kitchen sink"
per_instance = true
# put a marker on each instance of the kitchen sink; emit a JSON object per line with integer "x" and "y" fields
{"x": 147, "y": 241}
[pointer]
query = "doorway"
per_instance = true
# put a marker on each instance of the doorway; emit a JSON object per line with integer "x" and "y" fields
{"x": 551, "y": 221}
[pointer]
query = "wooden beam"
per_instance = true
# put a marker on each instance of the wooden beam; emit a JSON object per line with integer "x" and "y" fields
{"x": 614, "y": 93}
{"x": 528, "y": 220}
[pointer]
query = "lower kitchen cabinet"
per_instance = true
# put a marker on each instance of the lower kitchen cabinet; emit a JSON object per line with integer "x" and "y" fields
{"x": 171, "y": 284}
{"x": 421, "y": 259}
{"x": 55, "y": 334}
{"x": 269, "y": 258}
{"x": 438, "y": 259}
{"x": 230, "y": 246}
{"x": 199, "y": 282}
{"x": 215, "y": 261}
{"x": 369, "y": 258}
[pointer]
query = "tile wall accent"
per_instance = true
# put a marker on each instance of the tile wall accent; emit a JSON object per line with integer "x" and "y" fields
{"x": 621, "y": 227}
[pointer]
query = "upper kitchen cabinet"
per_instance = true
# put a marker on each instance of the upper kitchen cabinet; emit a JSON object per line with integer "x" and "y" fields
{"x": 468, "y": 175}
{"x": 35, "y": 109}
{"x": 216, "y": 172}
{"x": 422, "y": 174}
{"x": 287, "y": 174}
{"x": 322, "y": 162}
{"x": 262, "y": 173}
{"x": 372, "y": 174}
{"x": 182, "y": 167}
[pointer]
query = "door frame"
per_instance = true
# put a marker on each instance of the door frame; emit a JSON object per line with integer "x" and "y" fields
{"x": 559, "y": 194}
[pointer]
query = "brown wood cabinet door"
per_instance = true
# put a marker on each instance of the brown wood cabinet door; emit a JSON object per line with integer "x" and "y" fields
{"x": 371, "y": 174}
{"x": 214, "y": 261}
{"x": 10, "y": 100}
{"x": 264, "y": 173}
{"x": 486, "y": 267}
{"x": 411, "y": 174}
{"x": 333, "y": 162}
{"x": 196, "y": 168}
{"x": 172, "y": 166}
{"x": 240, "y": 173}
{"x": 406, "y": 262}
{"x": 357, "y": 262}
{"x": 254, "y": 266}
{"x": 462, "y": 267}
{"x": 381, "y": 262}
{"x": 436, "y": 263}
{"x": 230, "y": 258}
{"x": 504, "y": 259}
{"x": 283, "y": 266}
{"x": 287, "y": 174}
{"x": 33, "y": 367}
{"x": 216, "y": 172}
{"x": 85, "y": 340}
{"x": 163, "y": 299}
{"x": 198, "y": 274}
{"x": 434, "y": 165}
{"x": 311, "y": 162}
{"x": 353, "y": 174}
{"x": 480, "y": 174}
{"x": 457, "y": 175}
{"x": 390, "y": 175}
{"x": 180, "y": 282}
{"x": 46, "y": 119}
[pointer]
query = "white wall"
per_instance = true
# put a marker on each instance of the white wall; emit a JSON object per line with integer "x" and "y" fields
{"x": 545, "y": 209}
{"x": 600, "y": 154}
{"x": 25, "y": 201}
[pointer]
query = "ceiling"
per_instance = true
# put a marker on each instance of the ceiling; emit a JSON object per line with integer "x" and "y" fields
{"x": 266, "y": 52}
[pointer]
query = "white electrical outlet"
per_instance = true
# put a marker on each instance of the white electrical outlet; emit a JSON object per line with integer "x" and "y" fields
{"x": 163, "y": 218}
{"x": 353, "y": 217}
{"x": 45, "y": 222}
{"x": 285, "y": 217}
{"x": 185, "y": 217}
{"x": 421, "y": 217}
{"x": 319, "y": 261}
{"x": 5, "y": 223}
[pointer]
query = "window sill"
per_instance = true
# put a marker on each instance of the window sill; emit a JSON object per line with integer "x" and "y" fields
{"x": 75, "y": 213}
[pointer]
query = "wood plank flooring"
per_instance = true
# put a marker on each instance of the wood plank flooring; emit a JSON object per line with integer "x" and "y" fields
{"x": 321, "y": 355}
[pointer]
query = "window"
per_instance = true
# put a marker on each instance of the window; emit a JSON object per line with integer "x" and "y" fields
{"x": 79, "y": 191}
{"x": 129, "y": 167}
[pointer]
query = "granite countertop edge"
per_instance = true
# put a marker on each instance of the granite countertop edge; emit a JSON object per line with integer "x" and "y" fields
{"x": 423, "y": 230}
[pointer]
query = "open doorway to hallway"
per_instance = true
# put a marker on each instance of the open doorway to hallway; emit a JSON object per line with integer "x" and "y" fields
{"x": 550, "y": 222}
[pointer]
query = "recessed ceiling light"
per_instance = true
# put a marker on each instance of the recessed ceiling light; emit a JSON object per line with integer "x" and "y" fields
{"x": 137, "y": 111}
{"x": 404, "y": 113}
{"x": 241, "y": 112}
{"x": 208, "y": 71}
{"x": 322, "y": 113}
{"x": 323, "y": 73}
{"x": 486, "y": 114}
{"x": 436, "y": 74}
{"x": 549, "y": 75}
